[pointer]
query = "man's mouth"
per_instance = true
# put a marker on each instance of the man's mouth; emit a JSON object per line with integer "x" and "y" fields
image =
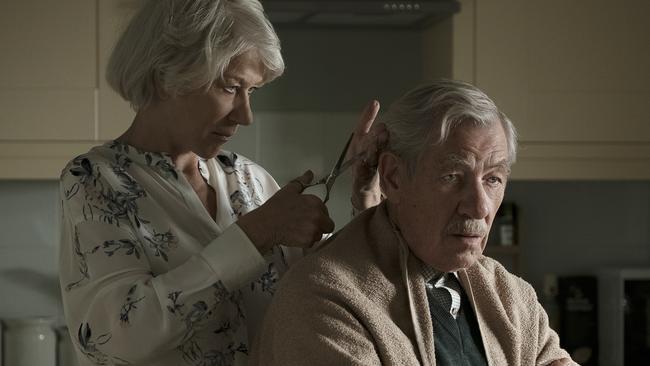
{"x": 469, "y": 235}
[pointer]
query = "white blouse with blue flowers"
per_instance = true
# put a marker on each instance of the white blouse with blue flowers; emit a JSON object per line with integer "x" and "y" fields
{"x": 148, "y": 277}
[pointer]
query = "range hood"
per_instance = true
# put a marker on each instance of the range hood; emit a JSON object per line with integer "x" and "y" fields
{"x": 358, "y": 13}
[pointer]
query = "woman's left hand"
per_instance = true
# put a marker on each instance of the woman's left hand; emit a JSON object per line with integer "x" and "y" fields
{"x": 369, "y": 140}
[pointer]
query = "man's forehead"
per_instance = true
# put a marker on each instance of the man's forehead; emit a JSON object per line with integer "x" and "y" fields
{"x": 470, "y": 159}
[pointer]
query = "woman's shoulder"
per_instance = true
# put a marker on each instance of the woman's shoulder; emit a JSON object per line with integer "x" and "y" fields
{"x": 114, "y": 158}
{"x": 85, "y": 163}
{"x": 101, "y": 167}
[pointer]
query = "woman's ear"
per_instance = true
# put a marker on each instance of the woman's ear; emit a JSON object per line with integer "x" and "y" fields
{"x": 390, "y": 167}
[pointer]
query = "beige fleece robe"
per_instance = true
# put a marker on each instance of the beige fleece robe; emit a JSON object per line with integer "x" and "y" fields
{"x": 361, "y": 300}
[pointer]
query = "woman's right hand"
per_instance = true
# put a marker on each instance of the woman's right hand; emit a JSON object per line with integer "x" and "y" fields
{"x": 289, "y": 218}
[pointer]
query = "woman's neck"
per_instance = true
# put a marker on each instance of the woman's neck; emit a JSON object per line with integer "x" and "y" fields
{"x": 150, "y": 131}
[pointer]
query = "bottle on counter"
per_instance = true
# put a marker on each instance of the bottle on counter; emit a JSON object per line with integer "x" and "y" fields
{"x": 29, "y": 342}
{"x": 504, "y": 228}
{"x": 507, "y": 224}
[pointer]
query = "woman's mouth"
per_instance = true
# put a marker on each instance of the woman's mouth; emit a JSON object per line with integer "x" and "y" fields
{"x": 223, "y": 136}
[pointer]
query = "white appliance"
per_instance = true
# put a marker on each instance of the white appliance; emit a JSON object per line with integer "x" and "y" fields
{"x": 624, "y": 316}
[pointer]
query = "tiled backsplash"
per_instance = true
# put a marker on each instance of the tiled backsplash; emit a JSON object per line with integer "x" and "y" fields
{"x": 29, "y": 237}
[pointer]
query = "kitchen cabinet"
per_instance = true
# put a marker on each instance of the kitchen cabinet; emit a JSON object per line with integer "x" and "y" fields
{"x": 54, "y": 99}
{"x": 572, "y": 75}
{"x": 114, "y": 114}
{"x": 47, "y": 69}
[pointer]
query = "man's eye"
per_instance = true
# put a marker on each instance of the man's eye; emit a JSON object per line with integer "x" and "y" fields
{"x": 449, "y": 178}
{"x": 230, "y": 89}
{"x": 251, "y": 91}
{"x": 493, "y": 180}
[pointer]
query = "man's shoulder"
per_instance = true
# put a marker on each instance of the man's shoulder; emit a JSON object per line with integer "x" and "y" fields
{"x": 351, "y": 258}
{"x": 491, "y": 275}
{"x": 334, "y": 259}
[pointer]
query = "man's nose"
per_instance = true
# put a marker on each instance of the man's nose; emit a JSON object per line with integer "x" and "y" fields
{"x": 475, "y": 202}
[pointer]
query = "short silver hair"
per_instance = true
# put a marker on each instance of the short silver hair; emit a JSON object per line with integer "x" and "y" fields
{"x": 430, "y": 112}
{"x": 179, "y": 46}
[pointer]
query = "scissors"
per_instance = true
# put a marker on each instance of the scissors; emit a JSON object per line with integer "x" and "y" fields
{"x": 337, "y": 170}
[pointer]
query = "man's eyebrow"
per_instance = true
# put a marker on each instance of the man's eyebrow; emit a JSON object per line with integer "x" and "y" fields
{"x": 501, "y": 165}
{"x": 455, "y": 160}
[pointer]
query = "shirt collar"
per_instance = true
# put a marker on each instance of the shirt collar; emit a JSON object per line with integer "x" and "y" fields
{"x": 157, "y": 160}
{"x": 429, "y": 273}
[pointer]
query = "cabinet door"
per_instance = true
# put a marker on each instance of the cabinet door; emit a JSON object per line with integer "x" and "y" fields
{"x": 47, "y": 70}
{"x": 115, "y": 114}
{"x": 573, "y": 77}
{"x": 568, "y": 71}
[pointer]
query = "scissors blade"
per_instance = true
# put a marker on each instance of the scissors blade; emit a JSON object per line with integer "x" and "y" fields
{"x": 348, "y": 163}
{"x": 336, "y": 170}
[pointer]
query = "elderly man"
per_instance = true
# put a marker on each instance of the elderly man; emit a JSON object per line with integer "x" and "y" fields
{"x": 406, "y": 283}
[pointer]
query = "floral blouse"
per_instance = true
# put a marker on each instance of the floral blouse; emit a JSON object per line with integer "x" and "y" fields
{"x": 147, "y": 276}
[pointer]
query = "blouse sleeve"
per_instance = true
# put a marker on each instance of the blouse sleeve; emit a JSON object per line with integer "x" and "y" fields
{"x": 118, "y": 309}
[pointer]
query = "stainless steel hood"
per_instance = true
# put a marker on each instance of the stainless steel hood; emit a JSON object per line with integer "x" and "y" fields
{"x": 358, "y": 13}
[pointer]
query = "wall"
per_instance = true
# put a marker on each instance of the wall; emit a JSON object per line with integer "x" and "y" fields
{"x": 29, "y": 238}
{"x": 571, "y": 228}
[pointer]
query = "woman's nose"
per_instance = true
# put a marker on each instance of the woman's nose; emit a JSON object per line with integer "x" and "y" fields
{"x": 242, "y": 113}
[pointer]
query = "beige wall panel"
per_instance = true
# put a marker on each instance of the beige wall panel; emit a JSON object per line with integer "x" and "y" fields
{"x": 115, "y": 114}
{"x": 463, "y": 45}
{"x": 587, "y": 117}
{"x": 47, "y": 44}
{"x": 37, "y": 160}
{"x": 448, "y": 46}
{"x": 437, "y": 51}
{"x": 588, "y": 169}
{"x": 594, "y": 45}
{"x": 589, "y": 161}
{"x": 39, "y": 114}
{"x": 567, "y": 70}
{"x": 501, "y": 60}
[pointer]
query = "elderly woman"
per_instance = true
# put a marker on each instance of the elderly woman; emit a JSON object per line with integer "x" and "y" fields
{"x": 170, "y": 245}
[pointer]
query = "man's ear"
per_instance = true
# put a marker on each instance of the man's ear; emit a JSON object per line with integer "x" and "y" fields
{"x": 390, "y": 167}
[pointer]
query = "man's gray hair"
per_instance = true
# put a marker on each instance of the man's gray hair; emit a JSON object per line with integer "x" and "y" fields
{"x": 430, "y": 112}
{"x": 179, "y": 46}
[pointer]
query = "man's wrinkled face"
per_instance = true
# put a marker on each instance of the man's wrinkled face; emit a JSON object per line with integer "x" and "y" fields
{"x": 446, "y": 207}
